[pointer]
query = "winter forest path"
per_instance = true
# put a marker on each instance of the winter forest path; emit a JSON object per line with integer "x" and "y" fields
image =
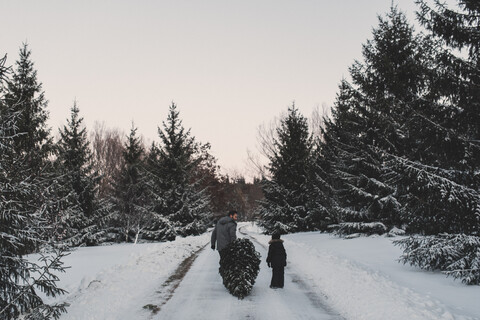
{"x": 201, "y": 295}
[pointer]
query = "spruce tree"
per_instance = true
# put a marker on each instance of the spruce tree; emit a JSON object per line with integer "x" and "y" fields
{"x": 239, "y": 267}
{"x": 459, "y": 76}
{"x": 31, "y": 139}
{"x": 83, "y": 215}
{"x": 446, "y": 178}
{"x": 25, "y": 95}
{"x": 25, "y": 196}
{"x": 172, "y": 167}
{"x": 346, "y": 167}
{"x": 371, "y": 120}
{"x": 338, "y": 145}
{"x": 130, "y": 191}
{"x": 440, "y": 177}
{"x": 286, "y": 193}
{"x": 160, "y": 227}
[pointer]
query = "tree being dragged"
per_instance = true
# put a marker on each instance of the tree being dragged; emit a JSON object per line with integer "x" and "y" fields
{"x": 174, "y": 185}
{"x": 239, "y": 267}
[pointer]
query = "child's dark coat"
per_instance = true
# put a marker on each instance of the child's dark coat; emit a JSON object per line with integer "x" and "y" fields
{"x": 277, "y": 259}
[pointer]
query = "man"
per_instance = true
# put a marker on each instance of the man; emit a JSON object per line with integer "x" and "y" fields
{"x": 225, "y": 231}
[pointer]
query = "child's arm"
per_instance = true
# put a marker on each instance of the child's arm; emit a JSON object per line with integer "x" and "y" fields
{"x": 269, "y": 256}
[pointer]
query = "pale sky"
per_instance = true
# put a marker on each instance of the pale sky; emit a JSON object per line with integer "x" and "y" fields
{"x": 230, "y": 66}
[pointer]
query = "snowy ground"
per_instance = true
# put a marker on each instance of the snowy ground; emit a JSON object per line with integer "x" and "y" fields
{"x": 326, "y": 278}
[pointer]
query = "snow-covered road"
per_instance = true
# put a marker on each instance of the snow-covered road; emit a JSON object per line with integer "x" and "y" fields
{"x": 326, "y": 278}
{"x": 201, "y": 295}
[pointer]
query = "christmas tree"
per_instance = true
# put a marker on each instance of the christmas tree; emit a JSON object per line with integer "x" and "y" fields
{"x": 239, "y": 267}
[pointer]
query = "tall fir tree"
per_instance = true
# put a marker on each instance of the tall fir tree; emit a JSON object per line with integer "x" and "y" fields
{"x": 130, "y": 196}
{"x": 82, "y": 218}
{"x": 339, "y": 155}
{"x": 444, "y": 180}
{"x": 173, "y": 166}
{"x": 286, "y": 193}
{"x": 371, "y": 119}
{"x": 25, "y": 95}
{"x": 25, "y": 196}
{"x": 459, "y": 78}
{"x": 31, "y": 135}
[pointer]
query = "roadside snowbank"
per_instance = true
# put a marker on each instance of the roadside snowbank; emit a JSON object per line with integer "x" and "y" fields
{"x": 117, "y": 281}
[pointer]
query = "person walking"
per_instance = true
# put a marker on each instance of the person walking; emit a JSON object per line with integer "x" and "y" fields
{"x": 225, "y": 231}
{"x": 277, "y": 260}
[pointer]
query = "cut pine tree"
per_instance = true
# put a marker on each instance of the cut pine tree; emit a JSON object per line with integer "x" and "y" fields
{"x": 239, "y": 267}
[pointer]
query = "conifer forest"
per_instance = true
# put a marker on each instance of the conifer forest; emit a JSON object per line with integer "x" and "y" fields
{"x": 399, "y": 154}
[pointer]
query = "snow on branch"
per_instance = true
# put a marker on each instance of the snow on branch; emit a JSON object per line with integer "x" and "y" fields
{"x": 456, "y": 255}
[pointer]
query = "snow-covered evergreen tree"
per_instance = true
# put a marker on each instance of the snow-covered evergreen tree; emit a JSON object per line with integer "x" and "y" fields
{"x": 286, "y": 193}
{"x": 444, "y": 180}
{"x": 457, "y": 255}
{"x": 175, "y": 191}
{"x": 83, "y": 216}
{"x": 346, "y": 160}
{"x": 435, "y": 202}
{"x": 24, "y": 95}
{"x": 25, "y": 197}
{"x": 371, "y": 119}
{"x": 133, "y": 215}
{"x": 458, "y": 80}
{"x": 160, "y": 227}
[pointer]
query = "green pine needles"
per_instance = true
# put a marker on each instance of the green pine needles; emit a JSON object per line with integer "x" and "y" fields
{"x": 239, "y": 267}
{"x": 456, "y": 255}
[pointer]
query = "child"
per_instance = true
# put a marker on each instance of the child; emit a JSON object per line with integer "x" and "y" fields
{"x": 277, "y": 260}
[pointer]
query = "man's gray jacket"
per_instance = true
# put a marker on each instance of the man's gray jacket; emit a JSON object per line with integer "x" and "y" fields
{"x": 225, "y": 232}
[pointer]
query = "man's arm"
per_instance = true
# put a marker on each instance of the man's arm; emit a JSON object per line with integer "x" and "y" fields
{"x": 269, "y": 257}
{"x": 232, "y": 230}
{"x": 214, "y": 237}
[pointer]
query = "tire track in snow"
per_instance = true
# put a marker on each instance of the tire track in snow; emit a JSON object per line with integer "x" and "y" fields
{"x": 202, "y": 296}
{"x": 316, "y": 297}
{"x": 172, "y": 283}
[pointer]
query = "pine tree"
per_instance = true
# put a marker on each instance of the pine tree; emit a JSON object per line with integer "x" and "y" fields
{"x": 75, "y": 157}
{"x": 130, "y": 191}
{"x": 286, "y": 193}
{"x": 435, "y": 202}
{"x": 172, "y": 168}
{"x": 82, "y": 219}
{"x": 160, "y": 227}
{"x": 25, "y": 95}
{"x": 239, "y": 267}
{"x": 457, "y": 255}
{"x": 371, "y": 119}
{"x": 446, "y": 178}
{"x": 31, "y": 141}
{"x": 459, "y": 78}
{"x": 24, "y": 198}
{"x": 347, "y": 169}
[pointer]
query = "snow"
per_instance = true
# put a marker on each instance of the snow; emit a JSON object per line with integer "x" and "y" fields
{"x": 115, "y": 282}
{"x": 326, "y": 278}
